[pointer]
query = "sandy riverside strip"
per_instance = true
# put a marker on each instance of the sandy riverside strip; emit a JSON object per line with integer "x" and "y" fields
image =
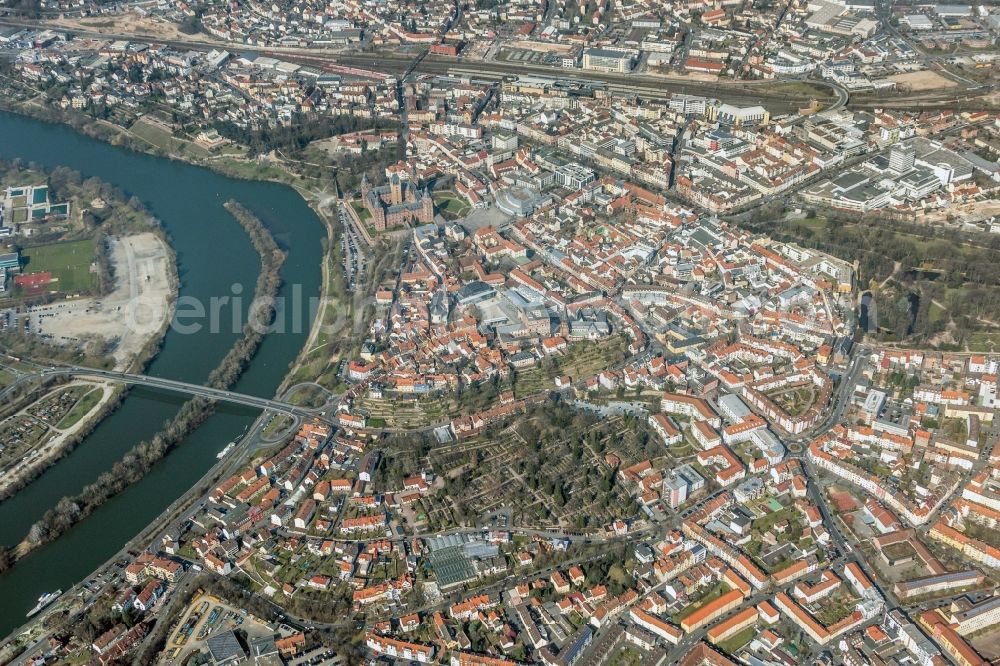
{"x": 133, "y": 313}
{"x": 135, "y": 464}
{"x": 153, "y": 346}
{"x": 123, "y": 138}
{"x": 143, "y": 352}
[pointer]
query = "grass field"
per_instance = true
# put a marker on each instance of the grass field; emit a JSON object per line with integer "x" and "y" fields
{"x": 711, "y": 595}
{"x": 984, "y": 341}
{"x": 738, "y": 640}
{"x": 814, "y": 223}
{"x": 449, "y": 205}
{"x": 252, "y": 170}
{"x": 81, "y": 409}
{"x": 277, "y": 424}
{"x": 936, "y": 313}
{"x": 626, "y": 657}
{"x": 69, "y": 264}
{"x": 157, "y": 136}
{"x": 799, "y": 88}
{"x": 152, "y": 133}
{"x": 834, "y": 608}
{"x": 362, "y": 212}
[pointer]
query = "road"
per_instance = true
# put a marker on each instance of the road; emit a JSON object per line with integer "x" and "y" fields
{"x": 251, "y": 443}
{"x": 843, "y": 97}
{"x": 398, "y": 63}
{"x": 841, "y": 396}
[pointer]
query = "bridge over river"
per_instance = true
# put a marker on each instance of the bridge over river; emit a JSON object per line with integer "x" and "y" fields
{"x": 187, "y": 388}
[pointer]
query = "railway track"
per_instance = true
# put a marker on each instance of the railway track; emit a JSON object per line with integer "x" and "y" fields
{"x": 653, "y": 87}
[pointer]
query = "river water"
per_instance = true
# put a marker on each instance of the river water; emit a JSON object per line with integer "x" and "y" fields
{"x": 213, "y": 254}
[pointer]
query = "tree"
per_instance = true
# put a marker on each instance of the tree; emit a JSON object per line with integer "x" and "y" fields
{"x": 135, "y": 74}
{"x": 7, "y": 559}
{"x": 608, "y": 482}
{"x": 30, "y": 8}
{"x": 559, "y": 496}
{"x": 191, "y": 25}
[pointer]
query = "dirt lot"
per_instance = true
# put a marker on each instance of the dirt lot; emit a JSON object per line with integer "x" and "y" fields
{"x": 130, "y": 315}
{"x": 128, "y": 23}
{"x": 988, "y": 644}
{"x": 922, "y": 80}
{"x": 541, "y": 46}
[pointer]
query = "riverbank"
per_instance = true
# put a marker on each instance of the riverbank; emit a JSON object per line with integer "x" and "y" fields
{"x": 243, "y": 169}
{"x": 136, "y": 352}
{"x": 326, "y": 297}
{"x": 188, "y": 201}
{"x": 192, "y": 414}
{"x": 122, "y": 137}
{"x": 144, "y": 270}
{"x": 61, "y": 440}
{"x": 104, "y": 276}
{"x": 132, "y": 317}
{"x": 141, "y": 459}
{"x": 143, "y": 345}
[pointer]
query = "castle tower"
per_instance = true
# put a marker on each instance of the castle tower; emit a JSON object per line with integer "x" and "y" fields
{"x": 427, "y": 207}
{"x": 395, "y": 190}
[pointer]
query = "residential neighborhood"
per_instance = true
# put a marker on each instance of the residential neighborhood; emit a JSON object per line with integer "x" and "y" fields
{"x": 655, "y": 333}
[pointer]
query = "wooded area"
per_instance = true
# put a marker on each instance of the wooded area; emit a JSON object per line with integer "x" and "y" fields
{"x": 926, "y": 279}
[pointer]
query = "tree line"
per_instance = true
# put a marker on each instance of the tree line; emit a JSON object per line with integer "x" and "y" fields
{"x": 294, "y": 137}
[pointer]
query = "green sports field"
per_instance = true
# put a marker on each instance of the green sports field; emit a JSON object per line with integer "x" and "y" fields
{"x": 69, "y": 264}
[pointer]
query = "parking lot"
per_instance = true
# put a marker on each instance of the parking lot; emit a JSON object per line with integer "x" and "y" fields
{"x": 206, "y": 616}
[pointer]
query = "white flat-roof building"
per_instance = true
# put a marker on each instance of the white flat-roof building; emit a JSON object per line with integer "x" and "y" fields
{"x": 733, "y": 408}
{"x": 608, "y": 60}
{"x": 918, "y": 22}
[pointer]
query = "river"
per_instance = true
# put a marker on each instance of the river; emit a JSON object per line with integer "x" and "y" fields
{"x": 213, "y": 254}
